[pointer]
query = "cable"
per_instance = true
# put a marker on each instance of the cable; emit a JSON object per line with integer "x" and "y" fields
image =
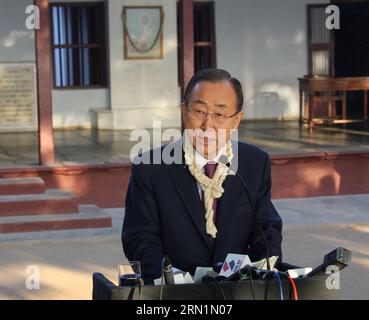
{"x": 264, "y": 241}
{"x": 224, "y": 160}
{"x": 162, "y": 279}
{"x": 207, "y": 279}
{"x": 290, "y": 290}
{"x": 279, "y": 284}
{"x": 265, "y": 276}
{"x": 131, "y": 293}
{"x": 251, "y": 284}
{"x": 249, "y": 271}
{"x": 220, "y": 290}
{"x": 294, "y": 287}
{"x": 140, "y": 285}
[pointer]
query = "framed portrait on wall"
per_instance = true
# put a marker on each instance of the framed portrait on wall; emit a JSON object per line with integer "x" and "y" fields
{"x": 143, "y": 32}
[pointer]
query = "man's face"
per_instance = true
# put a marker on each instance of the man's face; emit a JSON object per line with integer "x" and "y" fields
{"x": 212, "y": 114}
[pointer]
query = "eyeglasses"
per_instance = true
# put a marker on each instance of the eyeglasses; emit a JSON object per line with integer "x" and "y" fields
{"x": 217, "y": 118}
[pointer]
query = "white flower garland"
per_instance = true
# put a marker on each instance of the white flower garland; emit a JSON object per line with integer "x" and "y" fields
{"x": 212, "y": 188}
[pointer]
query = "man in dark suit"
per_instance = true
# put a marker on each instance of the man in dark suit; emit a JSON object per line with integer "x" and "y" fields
{"x": 192, "y": 212}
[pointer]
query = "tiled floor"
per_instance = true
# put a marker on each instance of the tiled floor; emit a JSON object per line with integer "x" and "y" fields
{"x": 108, "y": 146}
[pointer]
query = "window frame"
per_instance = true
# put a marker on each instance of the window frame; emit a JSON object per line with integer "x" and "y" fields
{"x": 317, "y": 47}
{"x": 103, "y": 46}
{"x": 211, "y": 43}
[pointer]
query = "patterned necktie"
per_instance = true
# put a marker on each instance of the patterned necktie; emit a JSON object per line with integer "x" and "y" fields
{"x": 210, "y": 168}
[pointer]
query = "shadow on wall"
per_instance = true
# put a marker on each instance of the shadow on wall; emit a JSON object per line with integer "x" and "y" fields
{"x": 321, "y": 175}
{"x": 274, "y": 101}
{"x": 301, "y": 179}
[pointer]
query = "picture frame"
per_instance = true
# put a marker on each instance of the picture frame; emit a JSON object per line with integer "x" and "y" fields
{"x": 143, "y": 32}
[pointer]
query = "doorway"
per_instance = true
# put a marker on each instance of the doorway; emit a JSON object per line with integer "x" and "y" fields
{"x": 351, "y": 49}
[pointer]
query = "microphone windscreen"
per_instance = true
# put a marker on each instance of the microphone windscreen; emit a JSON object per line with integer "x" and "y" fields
{"x": 224, "y": 160}
{"x": 217, "y": 266}
{"x": 168, "y": 271}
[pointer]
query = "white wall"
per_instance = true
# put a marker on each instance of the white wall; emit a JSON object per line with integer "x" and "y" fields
{"x": 71, "y": 107}
{"x": 17, "y": 46}
{"x": 263, "y": 43}
{"x": 166, "y": 68}
{"x": 16, "y": 42}
{"x": 158, "y": 93}
{"x": 148, "y": 87}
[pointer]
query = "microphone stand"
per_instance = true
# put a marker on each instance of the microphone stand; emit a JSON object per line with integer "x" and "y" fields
{"x": 166, "y": 274}
{"x": 224, "y": 160}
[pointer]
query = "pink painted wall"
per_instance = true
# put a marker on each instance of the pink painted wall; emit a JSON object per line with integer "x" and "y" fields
{"x": 293, "y": 176}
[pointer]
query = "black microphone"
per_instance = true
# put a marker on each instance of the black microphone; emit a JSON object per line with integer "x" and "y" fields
{"x": 224, "y": 160}
{"x": 240, "y": 273}
{"x": 339, "y": 257}
{"x": 217, "y": 266}
{"x": 168, "y": 271}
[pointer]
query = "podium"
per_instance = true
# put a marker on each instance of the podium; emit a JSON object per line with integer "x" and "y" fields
{"x": 313, "y": 288}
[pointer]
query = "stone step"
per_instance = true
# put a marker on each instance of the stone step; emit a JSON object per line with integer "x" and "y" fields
{"x": 16, "y": 186}
{"x": 88, "y": 217}
{"x": 53, "y": 201}
{"x": 56, "y": 235}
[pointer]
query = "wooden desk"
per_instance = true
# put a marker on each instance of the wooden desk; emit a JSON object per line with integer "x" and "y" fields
{"x": 330, "y": 90}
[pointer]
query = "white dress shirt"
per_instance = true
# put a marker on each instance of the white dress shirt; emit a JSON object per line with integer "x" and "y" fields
{"x": 201, "y": 163}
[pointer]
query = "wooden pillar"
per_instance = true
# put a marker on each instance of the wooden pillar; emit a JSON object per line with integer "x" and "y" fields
{"x": 43, "y": 71}
{"x": 186, "y": 33}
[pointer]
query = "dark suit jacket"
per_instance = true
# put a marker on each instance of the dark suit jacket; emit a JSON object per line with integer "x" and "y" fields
{"x": 165, "y": 216}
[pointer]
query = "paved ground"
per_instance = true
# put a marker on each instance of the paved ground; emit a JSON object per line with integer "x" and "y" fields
{"x": 111, "y": 146}
{"x": 312, "y": 228}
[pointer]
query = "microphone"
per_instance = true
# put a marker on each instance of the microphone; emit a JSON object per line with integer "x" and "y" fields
{"x": 339, "y": 257}
{"x": 240, "y": 273}
{"x": 224, "y": 160}
{"x": 217, "y": 266}
{"x": 168, "y": 271}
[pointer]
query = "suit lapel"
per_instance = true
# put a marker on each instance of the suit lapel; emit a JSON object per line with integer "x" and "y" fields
{"x": 230, "y": 200}
{"x": 187, "y": 190}
{"x": 227, "y": 205}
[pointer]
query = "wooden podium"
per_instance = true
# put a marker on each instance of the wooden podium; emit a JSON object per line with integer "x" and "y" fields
{"x": 313, "y": 288}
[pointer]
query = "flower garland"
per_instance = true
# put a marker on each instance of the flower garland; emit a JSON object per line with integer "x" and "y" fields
{"x": 212, "y": 188}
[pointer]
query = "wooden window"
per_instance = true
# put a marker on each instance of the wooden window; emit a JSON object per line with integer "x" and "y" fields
{"x": 204, "y": 29}
{"x": 204, "y": 36}
{"x": 320, "y": 42}
{"x": 78, "y": 45}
